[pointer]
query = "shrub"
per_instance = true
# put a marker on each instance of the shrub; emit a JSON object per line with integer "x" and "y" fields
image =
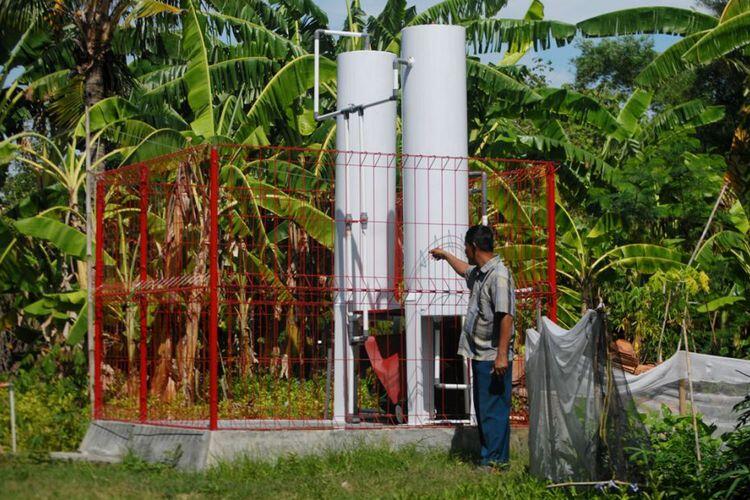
{"x": 670, "y": 463}
{"x": 52, "y": 410}
{"x": 732, "y": 478}
{"x": 672, "y": 469}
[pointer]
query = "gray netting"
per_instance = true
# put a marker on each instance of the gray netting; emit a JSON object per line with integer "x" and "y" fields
{"x": 581, "y": 427}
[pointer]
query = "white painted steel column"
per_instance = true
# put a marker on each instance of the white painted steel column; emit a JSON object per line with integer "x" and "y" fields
{"x": 435, "y": 190}
{"x": 365, "y": 190}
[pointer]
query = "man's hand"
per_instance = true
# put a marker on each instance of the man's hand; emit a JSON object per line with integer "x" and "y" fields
{"x": 439, "y": 254}
{"x": 501, "y": 364}
{"x": 457, "y": 264}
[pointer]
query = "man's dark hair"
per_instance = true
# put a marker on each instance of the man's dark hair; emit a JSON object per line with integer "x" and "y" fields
{"x": 481, "y": 237}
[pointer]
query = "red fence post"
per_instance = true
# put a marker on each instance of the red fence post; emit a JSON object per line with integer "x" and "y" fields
{"x": 551, "y": 243}
{"x": 213, "y": 287}
{"x": 98, "y": 313}
{"x": 143, "y": 305}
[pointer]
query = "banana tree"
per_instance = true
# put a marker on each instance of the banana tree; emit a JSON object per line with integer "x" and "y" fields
{"x": 202, "y": 80}
{"x": 584, "y": 264}
{"x": 706, "y": 39}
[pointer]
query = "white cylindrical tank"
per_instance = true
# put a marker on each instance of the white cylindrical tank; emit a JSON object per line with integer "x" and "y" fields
{"x": 435, "y": 168}
{"x": 366, "y": 180}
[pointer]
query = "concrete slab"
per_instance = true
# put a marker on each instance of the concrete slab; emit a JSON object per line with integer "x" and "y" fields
{"x": 75, "y": 456}
{"x": 196, "y": 449}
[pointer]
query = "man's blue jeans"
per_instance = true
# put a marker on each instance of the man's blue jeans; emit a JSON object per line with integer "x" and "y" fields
{"x": 492, "y": 402}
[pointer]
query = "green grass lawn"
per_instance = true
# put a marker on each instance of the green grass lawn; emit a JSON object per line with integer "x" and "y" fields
{"x": 375, "y": 473}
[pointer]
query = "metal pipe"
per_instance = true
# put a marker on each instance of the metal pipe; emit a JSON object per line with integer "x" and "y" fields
{"x": 442, "y": 385}
{"x": 484, "y": 199}
{"x": 316, "y": 74}
{"x": 436, "y": 350}
{"x": 346, "y": 292}
{"x": 316, "y": 67}
{"x": 329, "y": 369}
{"x": 353, "y": 34}
{"x": 12, "y": 397}
{"x": 89, "y": 264}
{"x": 98, "y": 308}
{"x": 450, "y": 421}
{"x": 397, "y": 63}
{"x": 363, "y": 225}
{"x": 482, "y": 190}
{"x": 12, "y": 401}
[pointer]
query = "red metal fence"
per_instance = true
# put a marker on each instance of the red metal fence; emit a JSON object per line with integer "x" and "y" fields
{"x": 215, "y": 287}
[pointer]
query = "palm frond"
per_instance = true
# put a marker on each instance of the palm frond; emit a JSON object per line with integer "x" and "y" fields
{"x": 720, "y": 41}
{"x": 198, "y": 77}
{"x": 647, "y": 20}
{"x": 535, "y": 12}
{"x": 734, "y": 8}
{"x": 454, "y": 11}
{"x": 669, "y": 63}
{"x": 291, "y": 81}
{"x": 493, "y": 35}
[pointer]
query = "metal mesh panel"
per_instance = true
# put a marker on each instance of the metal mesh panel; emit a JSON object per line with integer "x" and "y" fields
{"x": 215, "y": 287}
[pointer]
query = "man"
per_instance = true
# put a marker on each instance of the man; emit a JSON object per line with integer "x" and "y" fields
{"x": 487, "y": 339}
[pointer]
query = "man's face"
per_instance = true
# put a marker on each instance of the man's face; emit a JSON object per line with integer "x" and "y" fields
{"x": 470, "y": 251}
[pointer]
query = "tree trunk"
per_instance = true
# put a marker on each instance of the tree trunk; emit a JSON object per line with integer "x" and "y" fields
{"x": 94, "y": 92}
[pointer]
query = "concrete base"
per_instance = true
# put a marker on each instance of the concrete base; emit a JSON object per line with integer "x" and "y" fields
{"x": 200, "y": 449}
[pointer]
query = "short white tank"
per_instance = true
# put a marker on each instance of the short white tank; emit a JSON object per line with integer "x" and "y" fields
{"x": 366, "y": 181}
{"x": 435, "y": 168}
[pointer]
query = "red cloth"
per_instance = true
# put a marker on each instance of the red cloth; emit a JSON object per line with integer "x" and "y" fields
{"x": 386, "y": 369}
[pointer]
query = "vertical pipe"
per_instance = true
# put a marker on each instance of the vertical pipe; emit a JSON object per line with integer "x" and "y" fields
{"x": 12, "y": 397}
{"x": 316, "y": 73}
{"x": 98, "y": 314}
{"x": 89, "y": 261}
{"x": 485, "y": 222}
{"x": 551, "y": 243}
{"x": 143, "y": 305}
{"x": 213, "y": 287}
{"x": 329, "y": 369}
{"x": 363, "y": 221}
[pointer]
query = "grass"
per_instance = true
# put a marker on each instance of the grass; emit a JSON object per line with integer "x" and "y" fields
{"x": 372, "y": 473}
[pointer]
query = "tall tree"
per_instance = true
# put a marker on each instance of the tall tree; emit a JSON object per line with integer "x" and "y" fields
{"x": 611, "y": 66}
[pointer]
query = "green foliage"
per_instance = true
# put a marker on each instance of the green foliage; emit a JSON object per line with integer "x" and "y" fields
{"x": 731, "y": 34}
{"x": 259, "y": 395}
{"x": 358, "y": 473}
{"x": 638, "y": 311}
{"x": 52, "y": 408}
{"x": 731, "y": 479}
{"x": 613, "y": 64}
{"x": 638, "y": 170}
{"x": 671, "y": 465}
{"x": 651, "y": 20}
{"x": 197, "y": 76}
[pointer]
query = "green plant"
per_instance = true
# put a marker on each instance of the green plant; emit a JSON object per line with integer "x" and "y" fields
{"x": 732, "y": 478}
{"x": 51, "y": 409}
{"x": 669, "y": 461}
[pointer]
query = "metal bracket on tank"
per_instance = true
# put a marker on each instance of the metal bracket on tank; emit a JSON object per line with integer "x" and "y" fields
{"x": 352, "y": 108}
{"x": 316, "y": 88}
{"x": 348, "y": 221}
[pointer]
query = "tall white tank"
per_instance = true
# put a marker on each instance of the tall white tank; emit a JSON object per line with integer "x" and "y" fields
{"x": 435, "y": 169}
{"x": 366, "y": 180}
